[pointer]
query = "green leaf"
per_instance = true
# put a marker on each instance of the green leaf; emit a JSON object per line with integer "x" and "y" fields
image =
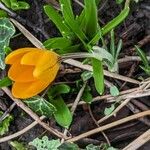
{"x": 102, "y": 54}
{"x": 45, "y": 143}
{"x": 57, "y": 20}
{"x": 111, "y": 25}
{"x": 57, "y": 43}
{"x": 40, "y": 106}
{"x": 5, "y": 82}
{"x": 7, "y": 3}
{"x": 119, "y": 1}
{"x": 3, "y": 14}
{"x": 86, "y": 75}
{"x": 7, "y": 30}
{"x": 87, "y": 96}
{"x": 98, "y": 75}
{"x": 142, "y": 56}
{"x": 70, "y": 20}
{"x": 4, "y": 125}
{"x": 112, "y": 43}
{"x": 116, "y": 21}
{"x": 91, "y": 19}
{"x": 109, "y": 110}
{"x": 19, "y": 5}
{"x": 63, "y": 115}
{"x": 17, "y": 145}
{"x": 58, "y": 90}
{"x": 114, "y": 91}
{"x": 69, "y": 146}
{"x": 92, "y": 147}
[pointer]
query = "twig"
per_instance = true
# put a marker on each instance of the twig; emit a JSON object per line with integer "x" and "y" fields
{"x": 108, "y": 126}
{"x": 7, "y": 112}
{"x": 115, "y": 111}
{"x": 98, "y": 98}
{"x": 75, "y": 104}
{"x": 12, "y": 136}
{"x": 78, "y": 2}
{"x": 32, "y": 114}
{"x": 95, "y": 121}
{"x": 106, "y": 73}
{"x": 137, "y": 143}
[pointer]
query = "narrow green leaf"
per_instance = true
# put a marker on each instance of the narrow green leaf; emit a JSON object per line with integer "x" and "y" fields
{"x": 70, "y": 20}
{"x": 98, "y": 75}
{"x": 57, "y": 43}
{"x": 111, "y": 25}
{"x": 40, "y": 106}
{"x": 5, "y": 82}
{"x": 57, "y": 20}
{"x": 86, "y": 75}
{"x": 91, "y": 20}
{"x": 112, "y": 43}
{"x": 63, "y": 115}
{"x": 119, "y": 47}
{"x": 142, "y": 56}
{"x": 116, "y": 21}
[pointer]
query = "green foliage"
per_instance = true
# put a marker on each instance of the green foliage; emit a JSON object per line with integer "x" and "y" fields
{"x": 82, "y": 30}
{"x": 45, "y": 144}
{"x": 16, "y": 5}
{"x": 69, "y": 146}
{"x": 63, "y": 115}
{"x": 5, "y": 82}
{"x": 92, "y": 147}
{"x": 7, "y": 30}
{"x": 109, "y": 110}
{"x": 3, "y": 14}
{"x": 41, "y": 106}
{"x": 17, "y": 145}
{"x": 144, "y": 59}
{"x": 4, "y": 125}
{"x": 114, "y": 91}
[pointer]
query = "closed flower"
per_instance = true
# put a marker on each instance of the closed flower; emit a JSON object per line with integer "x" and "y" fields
{"x": 32, "y": 70}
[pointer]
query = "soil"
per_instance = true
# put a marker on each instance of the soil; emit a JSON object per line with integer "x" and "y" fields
{"x": 134, "y": 29}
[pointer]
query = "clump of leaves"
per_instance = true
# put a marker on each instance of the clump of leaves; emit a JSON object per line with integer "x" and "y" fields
{"x": 144, "y": 59}
{"x": 4, "y": 125}
{"x": 45, "y": 144}
{"x": 82, "y": 32}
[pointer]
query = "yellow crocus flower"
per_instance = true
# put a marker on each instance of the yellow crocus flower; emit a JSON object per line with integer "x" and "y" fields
{"x": 32, "y": 70}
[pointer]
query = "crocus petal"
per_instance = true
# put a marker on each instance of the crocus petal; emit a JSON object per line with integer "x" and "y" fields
{"x": 32, "y": 58}
{"x": 17, "y": 54}
{"x": 29, "y": 89}
{"x": 48, "y": 60}
{"x": 21, "y": 73}
{"x": 50, "y": 74}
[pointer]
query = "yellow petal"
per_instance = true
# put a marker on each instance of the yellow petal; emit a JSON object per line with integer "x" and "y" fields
{"x": 29, "y": 89}
{"x": 50, "y": 74}
{"x": 47, "y": 60}
{"x": 32, "y": 58}
{"x": 21, "y": 73}
{"x": 17, "y": 54}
